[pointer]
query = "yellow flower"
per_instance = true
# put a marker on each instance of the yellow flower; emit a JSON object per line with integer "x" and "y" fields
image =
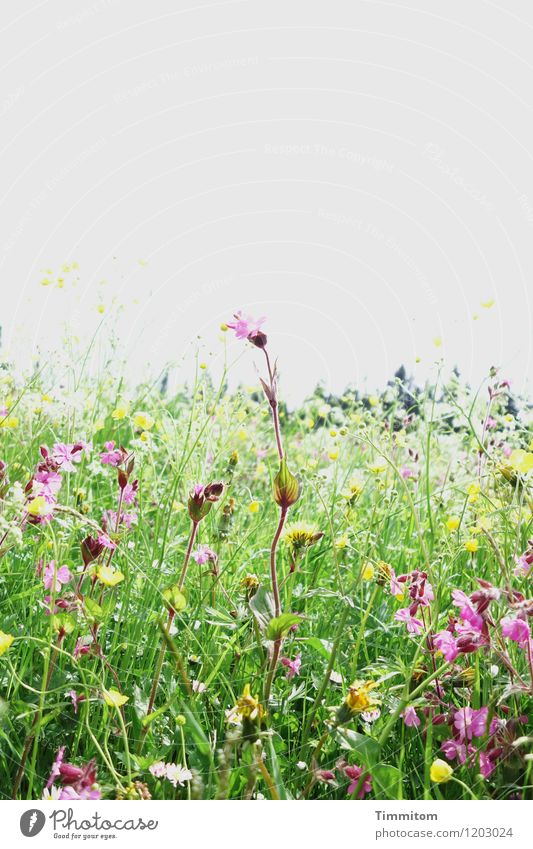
{"x": 145, "y": 436}
{"x": 10, "y": 422}
{"x": 39, "y": 506}
{"x": 242, "y": 435}
{"x": 143, "y": 420}
{"x": 301, "y": 535}
{"x": 473, "y": 492}
{"x": 333, "y": 455}
{"x": 254, "y": 506}
{"x": 324, "y": 410}
{"x": 224, "y": 327}
{"x": 114, "y": 699}
{"x": 109, "y": 576}
{"x": 471, "y": 545}
{"x": 309, "y": 423}
{"x": 373, "y": 400}
{"x": 437, "y": 341}
{"x": 453, "y": 523}
{"x": 368, "y": 572}
{"x": 333, "y": 433}
{"x": 440, "y": 771}
{"x": 521, "y": 461}
{"x": 5, "y": 642}
{"x": 358, "y": 698}
{"x": 377, "y": 468}
{"x": 341, "y": 542}
{"x": 101, "y": 309}
{"x": 354, "y": 490}
{"x": 248, "y": 706}
{"x": 121, "y": 412}
{"x": 203, "y": 366}
{"x": 488, "y": 304}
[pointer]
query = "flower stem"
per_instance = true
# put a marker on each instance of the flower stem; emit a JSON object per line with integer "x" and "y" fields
{"x": 192, "y": 537}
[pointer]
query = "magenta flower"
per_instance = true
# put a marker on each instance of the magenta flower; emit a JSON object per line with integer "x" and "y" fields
{"x": 522, "y": 567}
{"x": 47, "y": 484}
{"x": 245, "y": 326}
{"x": 83, "y": 646}
{"x": 355, "y": 773}
{"x": 129, "y": 493}
{"x": 54, "y": 578}
{"x": 454, "y": 749}
{"x": 66, "y": 455}
{"x": 202, "y": 554}
{"x": 406, "y": 473}
{"x": 470, "y": 723}
{"x": 410, "y": 717}
{"x": 106, "y": 541}
{"x": 112, "y": 456}
{"x": 446, "y": 643}
{"x": 516, "y": 630}
{"x": 56, "y": 767}
{"x": 293, "y": 666}
{"x": 397, "y": 587}
{"x": 72, "y": 694}
{"x": 414, "y": 626}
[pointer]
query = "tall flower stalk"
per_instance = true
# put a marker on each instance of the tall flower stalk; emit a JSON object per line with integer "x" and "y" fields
{"x": 286, "y": 488}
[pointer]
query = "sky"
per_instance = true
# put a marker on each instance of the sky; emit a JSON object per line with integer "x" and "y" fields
{"x": 358, "y": 172}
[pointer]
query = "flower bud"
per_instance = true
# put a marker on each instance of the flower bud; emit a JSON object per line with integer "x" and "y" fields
{"x": 286, "y": 487}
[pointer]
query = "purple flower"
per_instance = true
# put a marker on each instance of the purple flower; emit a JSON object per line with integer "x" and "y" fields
{"x": 470, "y": 723}
{"x": 354, "y": 773}
{"x": 54, "y": 578}
{"x": 66, "y": 455}
{"x": 446, "y": 643}
{"x": 293, "y": 666}
{"x": 410, "y": 717}
{"x": 516, "y": 630}
{"x": 246, "y": 326}
{"x": 414, "y": 626}
{"x": 55, "y": 767}
{"x": 202, "y": 554}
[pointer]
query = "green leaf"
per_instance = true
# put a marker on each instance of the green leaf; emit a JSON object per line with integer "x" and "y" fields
{"x": 366, "y": 747}
{"x": 279, "y": 626}
{"x": 387, "y": 780}
{"x": 262, "y": 606}
{"x": 93, "y": 610}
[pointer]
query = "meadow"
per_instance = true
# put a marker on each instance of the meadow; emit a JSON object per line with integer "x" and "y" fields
{"x": 207, "y": 595}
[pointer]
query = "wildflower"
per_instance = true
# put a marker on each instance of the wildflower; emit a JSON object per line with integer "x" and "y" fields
{"x": 108, "y": 576}
{"x": 473, "y": 492}
{"x": 113, "y": 698}
{"x": 356, "y": 773}
{"x": 452, "y": 523}
{"x": 246, "y": 327}
{"x": 143, "y": 420}
{"x": 54, "y": 578}
{"x": 106, "y": 541}
{"x": 446, "y": 644}
{"x": 470, "y": 723}
{"x": 39, "y": 508}
{"x": 203, "y": 554}
{"x": 129, "y": 492}
{"x": 248, "y": 709}
{"x": 301, "y": 535}
{"x": 471, "y": 545}
{"x": 72, "y": 694}
{"x": 120, "y": 412}
{"x": 83, "y": 646}
{"x": 55, "y": 771}
{"x": 66, "y": 455}
{"x": 112, "y": 456}
{"x": 202, "y": 498}
{"x": 413, "y": 625}
{"x": 198, "y": 687}
{"x": 177, "y": 774}
{"x": 516, "y": 630}
{"x": 440, "y": 771}
{"x": 293, "y": 666}
{"x": 250, "y": 584}
{"x": 358, "y": 699}
{"x": 5, "y": 642}
{"x": 410, "y": 717}
{"x": 254, "y": 507}
{"x": 367, "y": 572}
{"x": 159, "y": 769}
{"x": 521, "y": 461}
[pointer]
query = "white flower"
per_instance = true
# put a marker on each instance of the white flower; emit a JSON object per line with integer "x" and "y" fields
{"x": 159, "y": 769}
{"x": 51, "y": 794}
{"x": 177, "y": 774}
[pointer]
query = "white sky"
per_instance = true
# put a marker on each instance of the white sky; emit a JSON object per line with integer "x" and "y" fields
{"x": 359, "y": 172}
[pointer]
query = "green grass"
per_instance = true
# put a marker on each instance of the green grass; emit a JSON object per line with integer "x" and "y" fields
{"x": 348, "y": 454}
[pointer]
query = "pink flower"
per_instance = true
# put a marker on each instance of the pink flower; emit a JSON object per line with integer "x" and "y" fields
{"x": 293, "y": 666}
{"x": 53, "y": 578}
{"x": 112, "y": 456}
{"x": 245, "y": 326}
{"x": 454, "y": 749}
{"x": 72, "y": 694}
{"x": 397, "y": 588}
{"x": 406, "y": 473}
{"x": 106, "y": 541}
{"x": 355, "y": 773}
{"x": 55, "y": 767}
{"x": 66, "y": 455}
{"x": 414, "y": 626}
{"x": 202, "y": 554}
{"x": 523, "y": 566}
{"x": 470, "y": 723}
{"x": 410, "y": 717}
{"x": 446, "y": 643}
{"x": 47, "y": 484}
{"x": 129, "y": 493}
{"x": 516, "y": 630}
{"x": 159, "y": 769}
{"x": 83, "y": 646}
